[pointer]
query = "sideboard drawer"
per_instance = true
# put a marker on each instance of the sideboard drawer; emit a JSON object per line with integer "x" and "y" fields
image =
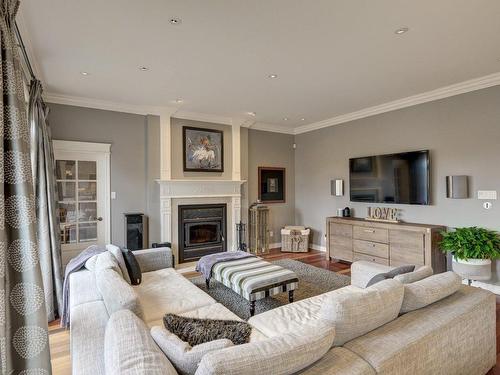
{"x": 371, "y": 234}
{"x": 371, "y": 248}
{"x": 405, "y": 239}
{"x": 369, "y": 258}
{"x": 343, "y": 230}
{"x": 342, "y": 241}
{"x": 341, "y": 253}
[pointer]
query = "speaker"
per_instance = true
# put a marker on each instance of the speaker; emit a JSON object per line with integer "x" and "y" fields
{"x": 136, "y": 231}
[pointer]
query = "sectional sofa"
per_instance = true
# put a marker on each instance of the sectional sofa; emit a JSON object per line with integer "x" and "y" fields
{"x": 424, "y": 324}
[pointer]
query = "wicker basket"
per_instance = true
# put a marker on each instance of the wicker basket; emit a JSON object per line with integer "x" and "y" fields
{"x": 295, "y": 239}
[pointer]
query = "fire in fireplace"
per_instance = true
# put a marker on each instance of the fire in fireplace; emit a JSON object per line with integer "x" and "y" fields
{"x": 202, "y": 230}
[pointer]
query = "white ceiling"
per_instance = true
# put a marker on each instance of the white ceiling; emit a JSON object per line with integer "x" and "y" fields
{"x": 332, "y": 57}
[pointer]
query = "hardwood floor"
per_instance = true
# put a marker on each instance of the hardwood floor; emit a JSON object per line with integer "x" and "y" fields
{"x": 59, "y": 338}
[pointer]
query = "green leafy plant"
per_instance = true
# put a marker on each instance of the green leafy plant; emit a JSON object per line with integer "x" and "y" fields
{"x": 471, "y": 243}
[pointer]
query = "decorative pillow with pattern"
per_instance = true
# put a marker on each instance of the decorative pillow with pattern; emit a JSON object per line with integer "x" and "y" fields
{"x": 198, "y": 331}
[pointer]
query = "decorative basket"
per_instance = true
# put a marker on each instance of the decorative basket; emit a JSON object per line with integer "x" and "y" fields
{"x": 295, "y": 239}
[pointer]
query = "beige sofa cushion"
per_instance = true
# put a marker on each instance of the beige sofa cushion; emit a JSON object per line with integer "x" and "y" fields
{"x": 453, "y": 336}
{"x": 292, "y": 316}
{"x": 355, "y": 314}
{"x": 117, "y": 253}
{"x": 419, "y": 274}
{"x": 340, "y": 361}
{"x": 183, "y": 356}
{"x": 279, "y": 355}
{"x": 105, "y": 261}
{"x": 130, "y": 350}
{"x": 166, "y": 291}
{"x": 429, "y": 290}
{"x": 117, "y": 293}
{"x": 362, "y": 272}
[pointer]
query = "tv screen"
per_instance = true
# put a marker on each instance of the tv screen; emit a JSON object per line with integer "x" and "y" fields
{"x": 394, "y": 178}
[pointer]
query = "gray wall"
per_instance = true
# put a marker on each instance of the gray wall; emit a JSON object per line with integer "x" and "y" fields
{"x": 135, "y": 156}
{"x": 177, "y": 150}
{"x": 267, "y": 149}
{"x": 461, "y": 132}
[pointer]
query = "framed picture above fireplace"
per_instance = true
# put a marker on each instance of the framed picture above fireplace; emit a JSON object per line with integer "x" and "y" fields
{"x": 272, "y": 184}
{"x": 203, "y": 149}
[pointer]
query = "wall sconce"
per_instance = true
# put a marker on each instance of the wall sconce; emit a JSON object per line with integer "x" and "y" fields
{"x": 337, "y": 187}
{"x": 457, "y": 187}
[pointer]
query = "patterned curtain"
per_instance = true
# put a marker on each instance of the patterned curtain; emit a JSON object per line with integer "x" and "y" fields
{"x": 42, "y": 164}
{"x": 24, "y": 345}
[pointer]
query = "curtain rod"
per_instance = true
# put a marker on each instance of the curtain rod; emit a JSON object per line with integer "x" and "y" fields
{"x": 23, "y": 50}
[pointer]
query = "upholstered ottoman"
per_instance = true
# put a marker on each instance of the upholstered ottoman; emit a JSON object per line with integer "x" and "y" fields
{"x": 254, "y": 279}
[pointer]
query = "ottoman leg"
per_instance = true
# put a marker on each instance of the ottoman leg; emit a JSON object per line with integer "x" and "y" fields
{"x": 252, "y": 308}
{"x": 290, "y": 296}
{"x": 207, "y": 283}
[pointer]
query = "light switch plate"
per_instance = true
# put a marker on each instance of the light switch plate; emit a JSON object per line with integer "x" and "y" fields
{"x": 487, "y": 194}
{"x": 113, "y": 195}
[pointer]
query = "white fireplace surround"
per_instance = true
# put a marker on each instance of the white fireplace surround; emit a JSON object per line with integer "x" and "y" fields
{"x": 178, "y": 192}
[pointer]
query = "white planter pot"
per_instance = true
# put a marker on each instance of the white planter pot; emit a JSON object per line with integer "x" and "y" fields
{"x": 472, "y": 269}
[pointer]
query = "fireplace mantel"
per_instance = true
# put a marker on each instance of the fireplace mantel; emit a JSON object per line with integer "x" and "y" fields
{"x": 183, "y": 188}
{"x": 196, "y": 189}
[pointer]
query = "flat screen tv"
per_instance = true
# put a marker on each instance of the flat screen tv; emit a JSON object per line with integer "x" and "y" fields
{"x": 393, "y": 178}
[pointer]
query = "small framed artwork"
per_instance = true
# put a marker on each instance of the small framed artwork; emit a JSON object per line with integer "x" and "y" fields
{"x": 272, "y": 183}
{"x": 203, "y": 149}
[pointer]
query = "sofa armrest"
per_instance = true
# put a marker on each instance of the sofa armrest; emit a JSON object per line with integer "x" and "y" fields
{"x": 362, "y": 272}
{"x": 154, "y": 259}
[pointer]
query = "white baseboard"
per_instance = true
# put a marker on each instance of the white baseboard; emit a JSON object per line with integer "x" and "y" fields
{"x": 318, "y": 247}
{"x": 491, "y": 287}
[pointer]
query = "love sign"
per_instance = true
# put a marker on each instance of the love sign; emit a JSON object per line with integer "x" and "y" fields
{"x": 383, "y": 214}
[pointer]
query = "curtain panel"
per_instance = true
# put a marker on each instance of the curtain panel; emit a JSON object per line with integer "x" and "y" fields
{"x": 43, "y": 170}
{"x": 24, "y": 344}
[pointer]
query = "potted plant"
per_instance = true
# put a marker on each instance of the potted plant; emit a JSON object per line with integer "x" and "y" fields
{"x": 473, "y": 249}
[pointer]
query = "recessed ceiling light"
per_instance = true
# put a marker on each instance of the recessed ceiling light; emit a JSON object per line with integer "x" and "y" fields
{"x": 143, "y": 68}
{"x": 175, "y": 21}
{"x": 302, "y": 119}
{"x": 253, "y": 114}
{"x": 179, "y": 100}
{"x": 273, "y": 76}
{"x": 285, "y": 118}
{"x": 401, "y": 30}
{"x": 84, "y": 73}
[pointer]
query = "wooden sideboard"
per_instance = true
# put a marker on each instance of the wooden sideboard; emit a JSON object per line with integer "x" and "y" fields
{"x": 392, "y": 244}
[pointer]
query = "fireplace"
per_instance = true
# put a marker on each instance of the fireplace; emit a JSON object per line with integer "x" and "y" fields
{"x": 202, "y": 230}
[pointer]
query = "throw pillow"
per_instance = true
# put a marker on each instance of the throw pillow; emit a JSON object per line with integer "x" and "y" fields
{"x": 285, "y": 354}
{"x": 197, "y": 331}
{"x": 183, "y": 356}
{"x": 91, "y": 262}
{"x": 357, "y": 313}
{"x": 390, "y": 275}
{"x": 117, "y": 253}
{"x": 429, "y": 290}
{"x": 411, "y": 277}
{"x": 105, "y": 261}
{"x": 129, "y": 348}
{"x": 133, "y": 268}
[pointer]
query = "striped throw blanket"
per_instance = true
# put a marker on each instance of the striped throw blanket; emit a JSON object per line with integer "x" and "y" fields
{"x": 254, "y": 278}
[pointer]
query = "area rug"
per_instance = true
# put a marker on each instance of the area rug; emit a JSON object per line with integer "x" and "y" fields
{"x": 312, "y": 281}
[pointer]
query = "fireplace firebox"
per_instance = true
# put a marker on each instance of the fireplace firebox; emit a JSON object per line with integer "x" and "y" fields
{"x": 202, "y": 230}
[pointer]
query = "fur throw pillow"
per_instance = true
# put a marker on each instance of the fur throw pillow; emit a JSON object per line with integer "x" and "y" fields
{"x": 198, "y": 331}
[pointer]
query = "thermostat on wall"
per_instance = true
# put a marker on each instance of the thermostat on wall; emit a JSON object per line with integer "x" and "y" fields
{"x": 487, "y": 194}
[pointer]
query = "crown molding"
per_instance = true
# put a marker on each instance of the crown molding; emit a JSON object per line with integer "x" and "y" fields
{"x": 429, "y": 96}
{"x": 271, "y": 128}
{"x": 205, "y": 117}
